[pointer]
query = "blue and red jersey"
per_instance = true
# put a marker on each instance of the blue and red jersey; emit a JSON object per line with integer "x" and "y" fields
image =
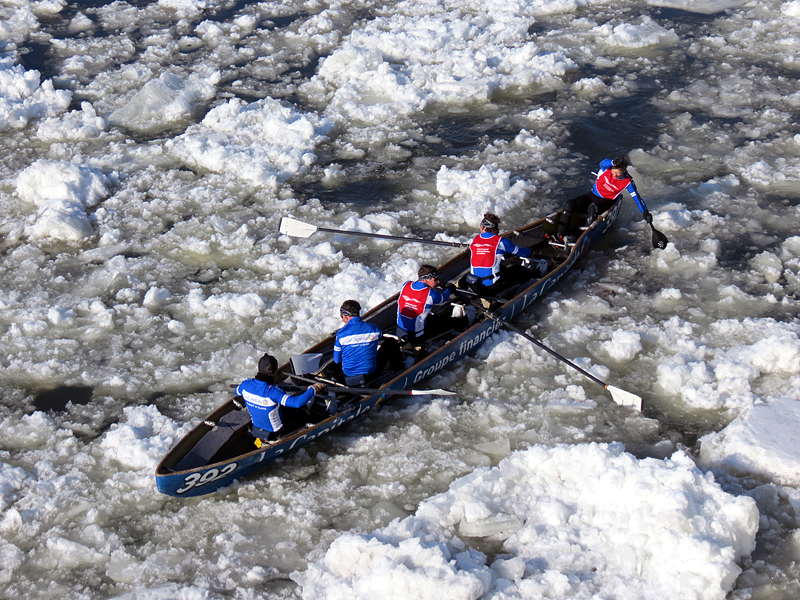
{"x": 356, "y": 347}
{"x": 415, "y": 304}
{"x": 486, "y": 254}
{"x": 263, "y": 401}
{"x": 609, "y": 187}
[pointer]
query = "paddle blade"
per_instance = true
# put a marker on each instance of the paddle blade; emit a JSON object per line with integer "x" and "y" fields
{"x": 624, "y": 398}
{"x": 659, "y": 239}
{"x": 295, "y": 228}
{"x": 433, "y": 393}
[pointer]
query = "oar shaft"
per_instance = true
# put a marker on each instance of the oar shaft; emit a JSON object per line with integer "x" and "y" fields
{"x": 336, "y": 389}
{"x": 532, "y": 339}
{"x": 394, "y": 237}
{"x": 477, "y": 295}
{"x": 364, "y": 391}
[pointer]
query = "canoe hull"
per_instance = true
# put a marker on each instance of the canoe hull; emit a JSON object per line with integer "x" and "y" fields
{"x": 206, "y": 479}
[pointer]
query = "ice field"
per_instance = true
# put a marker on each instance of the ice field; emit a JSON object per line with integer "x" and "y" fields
{"x": 150, "y": 150}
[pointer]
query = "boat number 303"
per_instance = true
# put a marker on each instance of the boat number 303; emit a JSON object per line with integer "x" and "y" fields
{"x": 197, "y": 479}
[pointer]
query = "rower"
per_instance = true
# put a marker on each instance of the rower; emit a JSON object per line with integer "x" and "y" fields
{"x": 488, "y": 275}
{"x": 265, "y": 400}
{"x": 359, "y": 353}
{"x": 612, "y": 179}
{"x": 415, "y": 303}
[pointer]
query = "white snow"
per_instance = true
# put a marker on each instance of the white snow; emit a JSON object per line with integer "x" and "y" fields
{"x": 632, "y": 35}
{"x": 24, "y": 98}
{"x": 762, "y": 441}
{"x": 791, "y": 9}
{"x": 623, "y": 345}
{"x": 724, "y": 377}
{"x": 263, "y": 143}
{"x": 702, "y": 6}
{"x": 62, "y": 192}
{"x": 186, "y": 8}
{"x": 615, "y": 526}
{"x": 422, "y": 55}
{"x": 224, "y": 307}
{"x": 84, "y": 124}
{"x": 17, "y": 23}
{"x": 470, "y": 194}
{"x": 141, "y": 439}
{"x": 164, "y": 101}
{"x": 11, "y": 480}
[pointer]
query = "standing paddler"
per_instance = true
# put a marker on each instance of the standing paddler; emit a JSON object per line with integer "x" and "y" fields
{"x": 612, "y": 179}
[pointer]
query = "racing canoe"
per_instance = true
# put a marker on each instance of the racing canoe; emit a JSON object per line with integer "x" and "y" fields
{"x": 221, "y": 448}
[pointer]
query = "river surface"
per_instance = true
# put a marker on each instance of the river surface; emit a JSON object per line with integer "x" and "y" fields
{"x": 151, "y": 149}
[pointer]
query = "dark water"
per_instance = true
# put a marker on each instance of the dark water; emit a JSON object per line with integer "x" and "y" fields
{"x": 58, "y": 398}
{"x": 369, "y": 192}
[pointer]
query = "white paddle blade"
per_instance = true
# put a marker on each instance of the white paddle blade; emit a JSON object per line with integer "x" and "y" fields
{"x": 433, "y": 393}
{"x": 624, "y": 398}
{"x": 296, "y": 228}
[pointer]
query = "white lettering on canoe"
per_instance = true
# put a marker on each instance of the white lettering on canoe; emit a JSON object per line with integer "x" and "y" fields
{"x": 299, "y": 441}
{"x": 437, "y": 366}
{"x": 463, "y": 348}
{"x": 198, "y": 479}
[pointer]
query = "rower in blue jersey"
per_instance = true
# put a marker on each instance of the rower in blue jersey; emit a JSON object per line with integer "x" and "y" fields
{"x": 264, "y": 400}
{"x": 356, "y": 348}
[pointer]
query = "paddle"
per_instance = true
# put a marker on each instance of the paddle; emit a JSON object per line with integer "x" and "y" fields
{"x": 659, "y": 239}
{"x": 619, "y": 396}
{"x": 295, "y": 228}
{"x": 337, "y": 389}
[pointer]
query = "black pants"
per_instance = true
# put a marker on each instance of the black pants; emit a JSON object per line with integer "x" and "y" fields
{"x": 293, "y": 419}
{"x": 509, "y": 276}
{"x": 389, "y": 354}
{"x": 264, "y": 434}
{"x": 436, "y": 325}
{"x": 581, "y": 204}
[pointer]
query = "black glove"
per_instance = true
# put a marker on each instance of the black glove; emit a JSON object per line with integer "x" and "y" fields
{"x": 648, "y": 217}
{"x": 451, "y": 287}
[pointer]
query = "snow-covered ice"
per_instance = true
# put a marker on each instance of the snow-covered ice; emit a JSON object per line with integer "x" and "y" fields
{"x": 149, "y": 152}
{"x": 762, "y": 441}
{"x": 615, "y": 526}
